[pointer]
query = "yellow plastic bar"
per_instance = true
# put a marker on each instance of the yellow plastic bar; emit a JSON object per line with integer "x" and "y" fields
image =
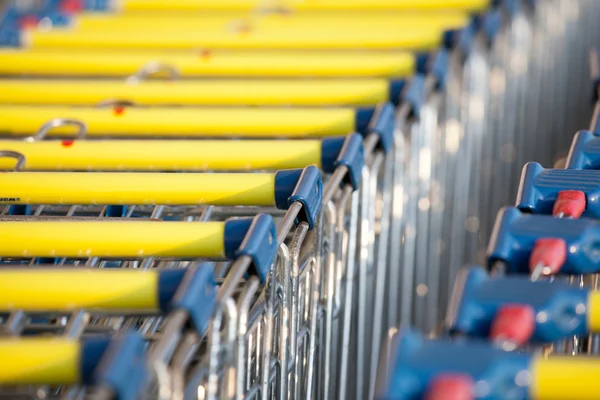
{"x": 399, "y": 37}
{"x": 359, "y": 92}
{"x": 112, "y": 239}
{"x": 237, "y": 20}
{"x": 565, "y": 377}
{"x": 139, "y": 188}
{"x": 593, "y": 312}
{"x": 208, "y": 63}
{"x": 183, "y": 122}
{"x": 53, "y": 361}
{"x": 297, "y": 5}
{"x": 164, "y": 155}
{"x": 72, "y": 289}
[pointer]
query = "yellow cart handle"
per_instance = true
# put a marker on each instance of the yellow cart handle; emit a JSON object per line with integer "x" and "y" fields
{"x": 564, "y": 377}
{"x": 123, "y": 290}
{"x": 240, "y": 20}
{"x": 422, "y": 38}
{"x": 112, "y": 239}
{"x": 263, "y": 92}
{"x": 60, "y": 62}
{"x": 66, "y": 289}
{"x": 172, "y": 155}
{"x": 182, "y": 122}
{"x": 53, "y": 361}
{"x": 298, "y": 5}
{"x": 225, "y": 189}
{"x": 63, "y": 361}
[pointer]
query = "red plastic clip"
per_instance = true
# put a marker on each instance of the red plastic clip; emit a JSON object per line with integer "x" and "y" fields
{"x": 569, "y": 203}
{"x": 514, "y": 323}
{"x": 71, "y": 6}
{"x": 550, "y": 254}
{"x": 450, "y": 387}
{"x": 28, "y": 22}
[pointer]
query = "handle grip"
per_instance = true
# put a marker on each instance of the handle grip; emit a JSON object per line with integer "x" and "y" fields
{"x": 87, "y": 63}
{"x": 234, "y": 19}
{"x": 477, "y": 299}
{"x": 539, "y": 188}
{"x": 183, "y": 122}
{"x": 515, "y": 234}
{"x": 321, "y": 38}
{"x": 304, "y": 5}
{"x": 116, "y": 363}
{"x": 177, "y": 155}
{"x": 584, "y": 152}
{"x": 256, "y": 92}
{"x": 130, "y": 239}
{"x": 418, "y": 362}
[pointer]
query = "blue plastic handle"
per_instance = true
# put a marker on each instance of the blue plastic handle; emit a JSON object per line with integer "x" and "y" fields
{"x": 417, "y": 361}
{"x": 515, "y": 234}
{"x": 585, "y": 151}
{"x": 540, "y": 187}
{"x": 477, "y": 298}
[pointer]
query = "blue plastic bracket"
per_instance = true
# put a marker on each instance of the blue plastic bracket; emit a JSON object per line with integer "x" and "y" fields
{"x": 585, "y": 151}
{"x": 395, "y": 90}
{"x": 255, "y": 237}
{"x": 97, "y": 5}
{"x": 196, "y": 293}
{"x": 123, "y": 367}
{"x": 348, "y": 151}
{"x": 477, "y": 298}
{"x": 300, "y": 185}
{"x": 515, "y": 234}
{"x": 417, "y": 361}
{"x": 414, "y": 94}
{"x": 439, "y": 68}
{"x": 539, "y": 188}
{"x": 383, "y": 124}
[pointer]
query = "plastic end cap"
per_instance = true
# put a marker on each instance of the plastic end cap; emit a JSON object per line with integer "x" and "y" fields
{"x": 197, "y": 294}
{"x": 414, "y": 94}
{"x": 124, "y": 367}
{"x": 569, "y": 203}
{"x": 450, "y": 387}
{"x": 514, "y": 323}
{"x": 348, "y": 151}
{"x": 383, "y": 125}
{"x": 551, "y": 253}
{"x": 352, "y": 156}
{"x": 304, "y": 186}
{"x": 254, "y": 237}
{"x": 439, "y": 68}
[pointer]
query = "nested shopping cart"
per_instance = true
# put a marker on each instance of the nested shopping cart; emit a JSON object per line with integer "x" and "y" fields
{"x": 521, "y": 328}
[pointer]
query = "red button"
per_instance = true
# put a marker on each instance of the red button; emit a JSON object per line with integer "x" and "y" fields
{"x": 450, "y": 387}
{"x": 514, "y": 323}
{"x": 569, "y": 203}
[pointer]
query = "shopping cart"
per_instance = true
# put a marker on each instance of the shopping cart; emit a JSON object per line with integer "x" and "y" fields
{"x": 539, "y": 297}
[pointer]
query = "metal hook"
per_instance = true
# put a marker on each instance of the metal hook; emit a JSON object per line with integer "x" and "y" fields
{"x": 153, "y": 68}
{"x": 20, "y": 165}
{"x": 57, "y": 123}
